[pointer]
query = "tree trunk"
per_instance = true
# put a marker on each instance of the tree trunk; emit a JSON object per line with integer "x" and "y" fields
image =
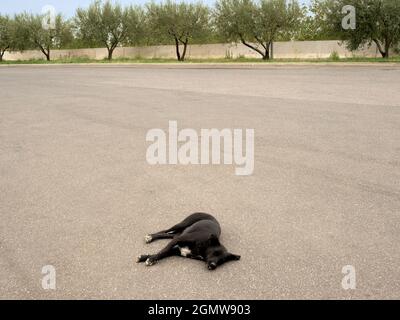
{"x": 2, "y": 52}
{"x": 46, "y": 52}
{"x": 387, "y": 50}
{"x": 272, "y": 50}
{"x": 110, "y": 54}
{"x": 266, "y": 55}
{"x": 178, "y": 54}
{"x": 184, "y": 50}
{"x": 254, "y": 48}
{"x": 383, "y": 52}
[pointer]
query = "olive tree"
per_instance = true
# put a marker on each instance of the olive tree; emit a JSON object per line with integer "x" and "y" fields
{"x": 314, "y": 25}
{"x": 179, "y": 22}
{"x": 30, "y": 33}
{"x": 108, "y": 24}
{"x": 257, "y": 24}
{"x": 7, "y": 35}
{"x": 376, "y": 21}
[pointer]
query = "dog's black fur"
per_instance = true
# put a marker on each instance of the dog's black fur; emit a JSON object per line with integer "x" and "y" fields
{"x": 196, "y": 237}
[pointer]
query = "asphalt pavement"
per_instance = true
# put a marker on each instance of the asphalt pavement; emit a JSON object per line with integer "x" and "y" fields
{"x": 77, "y": 193}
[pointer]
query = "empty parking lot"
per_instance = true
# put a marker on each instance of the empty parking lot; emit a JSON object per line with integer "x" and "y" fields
{"x": 77, "y": 193}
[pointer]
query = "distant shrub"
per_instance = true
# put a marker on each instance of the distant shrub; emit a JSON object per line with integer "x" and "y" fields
{"x": 334, "y": 56}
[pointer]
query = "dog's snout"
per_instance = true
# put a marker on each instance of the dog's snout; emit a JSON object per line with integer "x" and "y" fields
{"x": 212, "y": 266}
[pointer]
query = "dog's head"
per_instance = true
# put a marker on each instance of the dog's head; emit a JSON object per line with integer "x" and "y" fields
{"x": 217, "y": 254}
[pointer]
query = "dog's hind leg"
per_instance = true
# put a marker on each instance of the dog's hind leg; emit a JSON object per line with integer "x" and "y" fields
{"x": 158, "y": 236}
{"x": 167, "y": 234}
{"x": 178, "y": 228}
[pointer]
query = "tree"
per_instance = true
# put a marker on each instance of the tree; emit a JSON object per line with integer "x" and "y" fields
{"x": 314, "y": 25}
{"x": 108, "y": 24}
{"x": 30, "y": 33}
{"x": 7, "y": 35}
{"x": 180, "y": 22}
{"x": 136, "y": 26}
{"x": 257, "y": 24}
{"x": 377, "y": 21}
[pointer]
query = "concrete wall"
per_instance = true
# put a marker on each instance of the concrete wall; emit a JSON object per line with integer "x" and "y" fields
{"x": 291, "y": 49}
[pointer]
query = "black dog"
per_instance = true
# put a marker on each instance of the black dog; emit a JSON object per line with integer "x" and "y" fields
{"x": 196, "y": 237}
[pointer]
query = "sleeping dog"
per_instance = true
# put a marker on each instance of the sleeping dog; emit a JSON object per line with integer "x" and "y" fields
{"x": 196, "y": 237}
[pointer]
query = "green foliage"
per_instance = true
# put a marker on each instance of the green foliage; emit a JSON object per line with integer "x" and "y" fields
{"x": 255, "y": 23}
{"x": 7, "y": 35}
{"x": 235, "y": 19}
{"x": 107, "y": 24}
{"x": 179, "y": 22}
{"x": 334, "y": 56}
{"x": 377, "y": 21}
{"x": 316, "y": 26}
{"x": 30, "y": 34}
{"x": 261, "y": 22}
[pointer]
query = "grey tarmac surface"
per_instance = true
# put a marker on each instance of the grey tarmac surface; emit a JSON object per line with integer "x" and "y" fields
{"x": 77, "y": 193}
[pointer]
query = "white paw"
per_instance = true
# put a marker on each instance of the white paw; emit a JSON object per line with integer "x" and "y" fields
{"x": 138, "y": 258}
{"x": 148, "y": 238}
{"x": 150, "y": 262}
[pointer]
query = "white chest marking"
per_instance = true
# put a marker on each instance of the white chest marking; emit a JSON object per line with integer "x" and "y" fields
{"x": 185, "y": 251}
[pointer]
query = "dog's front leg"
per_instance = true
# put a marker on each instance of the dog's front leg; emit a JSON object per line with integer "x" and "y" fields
{"x": 169, "y": 250}
{"x": 200, "y": 258}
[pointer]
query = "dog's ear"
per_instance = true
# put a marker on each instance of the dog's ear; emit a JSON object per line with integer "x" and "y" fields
{"x": 233, "y": 257}
{"x": 213, "y": 240}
